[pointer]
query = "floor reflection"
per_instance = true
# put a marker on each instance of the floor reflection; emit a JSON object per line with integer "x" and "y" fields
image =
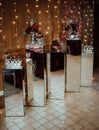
{"x": 57, "y": 84}
{"x": 38, "y": 93}
{"x": 73, "y": 73}
{"x": 14, "y": 104}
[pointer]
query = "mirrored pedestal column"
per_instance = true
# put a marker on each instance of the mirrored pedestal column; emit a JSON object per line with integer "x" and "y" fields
{"x": 73, "y": 73}
{"x": 47, "y": 76}
{"x": 87, "y": 69}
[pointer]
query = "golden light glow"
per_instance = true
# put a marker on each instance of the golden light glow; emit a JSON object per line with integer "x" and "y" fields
{"x": 16, "y": 35}
{"x": 0, "y": 18}
{"x": 36, "y": 6}
{"x": 48, "y": 28}
{"x": 55, "y": 16}
{"x": 1, "y": 31}
{"x": 91, "y": 29}
{"x": 14, "y": 3}
{"x": 58, "y": 1}
{"x": 26, "y": 5}
{"x": 39, "y": 12}
{"x": 18, "y": 46}
{"x": 46, "y": 11}
{"x": 40, "y": 23}
{"x": 27, "y": 22}
{"x": 16, "y": 17}
{"x": 4, "y": 37}
{"x": 55, "y": 7}
{"x": 13, "y": 22}
{"x": 28, "y": 10}
{"x": 46, "y": 32}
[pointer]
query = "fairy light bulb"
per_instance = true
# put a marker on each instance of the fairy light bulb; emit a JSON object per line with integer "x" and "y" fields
{"x": 1, "y": 18}
{"x": 37, "y": 6}
{"x": 39, "y": 12}
{"x": 46, "y": 32}
{"x": 55, "y": 7}
{"x": 1, "y": 30}
{"x": 26, "y": 5}
{"x": 48, "y": 28}
{"x": 28, "y": 10}
{"x": 16, "y": 17}
{"x": 4, "y": 37}
{"x": 46, "y": 11}
{"x": 13, "y": 22}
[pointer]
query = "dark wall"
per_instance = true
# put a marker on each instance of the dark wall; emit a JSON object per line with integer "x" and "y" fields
{"x": 96, "y": 36}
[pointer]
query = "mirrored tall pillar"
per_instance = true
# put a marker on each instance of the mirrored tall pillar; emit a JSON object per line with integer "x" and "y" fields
{"x": 73, "y": 65}
{"x": 87, "y": 69}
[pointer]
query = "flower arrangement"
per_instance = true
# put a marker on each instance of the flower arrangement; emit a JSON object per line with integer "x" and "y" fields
{"x": 71, "y": 29}
{"x": 72, "y": 26}
{"x": 33, "y": 27}
{"x": 33, "y": 30}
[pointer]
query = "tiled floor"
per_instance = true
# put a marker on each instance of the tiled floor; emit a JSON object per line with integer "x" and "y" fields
{"x": 78, "y": 111}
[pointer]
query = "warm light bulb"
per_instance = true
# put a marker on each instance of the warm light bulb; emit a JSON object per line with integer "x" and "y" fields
{"x": 0, "y": 18}
{"x": 58, "y": 1}
{"x": 56, "y": 16}
{"x": 91, "y": 15}
{"x": 36, "y": 6}
{"x": 39, "y": 28}
{"x": 18, "y": 46}
{"x": 1, "y": 31}
{"x": 55, "y": 7}
{"x": 46, "y": 32}
{"x": 13, "y": 22}
{"x": 40, "y": 23}
{"x": 71, "y": 11}
{"x": 16, "y": 35}
{"x": 28, "y": 10}
{"x": 87, "y": 24}
{"x": 63, "y": 31}
{"x": 48, "y": 28}
{"x": 4, "y": 37}
{"x": 26, "y": 5}
{"x": 48, "y": 6}
{"x": 79, "y": 12}
{"x": 14, "y": 3}
{"x": 26, "y": 22}
{"x": 91, "y": 29}
{"x": 16, "y": 16}
{"x": 14, "y": 10}
{"x": 85, "y": 40}
{"x": 46, "y": 11}
{"x": 39, "y": 12}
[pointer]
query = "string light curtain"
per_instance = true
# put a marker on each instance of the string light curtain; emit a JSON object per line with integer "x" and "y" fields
{"x": 1, "y": 50}
{"x": 71, "y": 13}
{"x": 1, "y": 25}
{"x": 81, "y": 12}
{"x": 88, "y": 21}
{"x": 52, "y": 17}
